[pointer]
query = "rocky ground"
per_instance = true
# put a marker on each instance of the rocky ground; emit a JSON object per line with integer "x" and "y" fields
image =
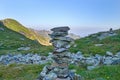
{"x": 75, "y": 58}
{"x": 23, "y": 59}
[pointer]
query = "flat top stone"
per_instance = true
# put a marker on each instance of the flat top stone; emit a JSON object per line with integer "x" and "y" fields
{"x": 60, "y": 29}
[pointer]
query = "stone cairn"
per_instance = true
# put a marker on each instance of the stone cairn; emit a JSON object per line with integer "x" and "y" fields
{"x": 59, "y": 70}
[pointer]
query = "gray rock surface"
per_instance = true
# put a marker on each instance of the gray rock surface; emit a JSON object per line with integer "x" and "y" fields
{"x": 116, "y": 62}
{"x": 2, "y": 29}
{"x": 108, "y": 53}
{"x": 99, "y": 44}
{"x": 91, "y": 67}
{"x": 22, "y": 59}
{"x": 118, "y": 54}
{"x": 1, "y": 44}
{"x": 61, "y": 29}
{"x": 24, "y": 48}
{"x": 76, "y": 58}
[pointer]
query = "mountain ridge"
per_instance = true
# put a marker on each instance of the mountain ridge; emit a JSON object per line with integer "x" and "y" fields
{"x": 29, "y": 33}
{"x": 12, "y": 42}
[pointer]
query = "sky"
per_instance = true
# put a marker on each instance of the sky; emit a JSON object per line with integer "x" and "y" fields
{"x": 82, "y": 16}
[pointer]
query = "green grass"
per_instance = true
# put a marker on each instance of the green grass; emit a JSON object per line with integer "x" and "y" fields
{"x": 101, "y": 73}
{"x": 20, "y": 72}
{"x": 31, "y": 72}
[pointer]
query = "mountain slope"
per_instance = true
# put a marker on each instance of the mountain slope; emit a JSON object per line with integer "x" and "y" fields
{"x": 99, "y": 43}
{"x": 16, "y": 26}
{"x": 12, "y": 42}
{"x": 31, "y": 34}
{"x": 41, "y": 38}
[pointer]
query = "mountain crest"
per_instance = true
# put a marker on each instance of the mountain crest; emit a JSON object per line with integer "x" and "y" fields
{"x": 31, "y": 34}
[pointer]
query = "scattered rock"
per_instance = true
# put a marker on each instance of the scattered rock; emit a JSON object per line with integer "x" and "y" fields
{"x": 75, "y": 45}
{"x": 22, "y": 39}
{"x": 22, "y": 59}
{"x": 91, "y": 62}
{"x": 108, "y": 53}
{"x": 99, "y": 44}
{"x": 1, "y": 44}
{"x": 91, "y": 67}
{"x": 61, "y": 50}
{"x": 2, "y": 29}
{"x": 43, "y": 58}
{"x": 51, "y": 76}
{"x": 107, "y": 60}
{"x": 118, "y": 54}
{"x": 116, "y": 62}
{"x": 23, "y": 48}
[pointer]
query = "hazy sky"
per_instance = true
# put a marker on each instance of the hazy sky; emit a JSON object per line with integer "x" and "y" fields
{"x": 82, "y": 16}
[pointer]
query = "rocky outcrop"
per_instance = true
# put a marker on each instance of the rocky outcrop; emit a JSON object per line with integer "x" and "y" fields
{"x": 106, "y": 34}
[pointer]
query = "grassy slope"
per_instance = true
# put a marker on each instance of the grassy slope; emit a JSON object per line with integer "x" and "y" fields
{"x": 19, "y": 72}
{"x": 11, "y": 41}
{"x": 101, "y": 73}
{"x": 86, "y": 45}
{"x": 16, "y": 26}
{"x": 31, "y": 72}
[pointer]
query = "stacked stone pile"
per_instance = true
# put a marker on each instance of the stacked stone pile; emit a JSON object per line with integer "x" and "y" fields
{"x": 59, "y": 68}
